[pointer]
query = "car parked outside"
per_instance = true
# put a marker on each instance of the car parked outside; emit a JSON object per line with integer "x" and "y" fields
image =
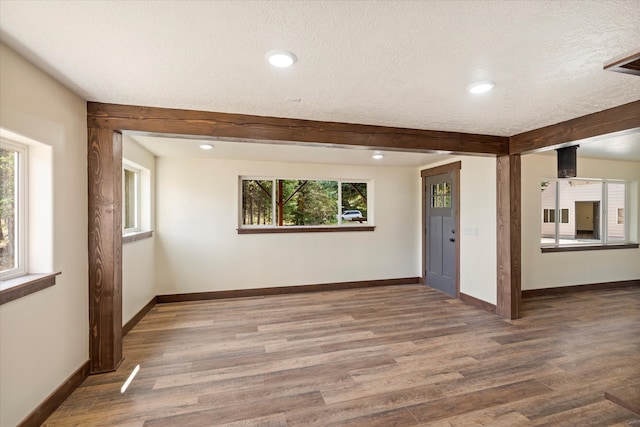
{"x": 351, "y": 214}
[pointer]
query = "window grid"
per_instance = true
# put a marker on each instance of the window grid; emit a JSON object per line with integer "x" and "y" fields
{"x": 441, "y": 195}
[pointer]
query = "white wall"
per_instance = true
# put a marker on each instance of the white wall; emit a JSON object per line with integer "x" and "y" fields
{"x": 547, "y": 270}
{"x": 44, "y": 336}
{"x": 138, "y": 258}
{"x": 198, "y": 248}
{"x": 477, "y": 234}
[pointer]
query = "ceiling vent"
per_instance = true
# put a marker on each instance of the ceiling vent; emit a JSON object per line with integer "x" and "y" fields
{"x": 567, "y": 162}
{"x": 629, "y": 65}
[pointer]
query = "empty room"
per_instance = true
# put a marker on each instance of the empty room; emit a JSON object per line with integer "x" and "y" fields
{"x": 314, "y": 213}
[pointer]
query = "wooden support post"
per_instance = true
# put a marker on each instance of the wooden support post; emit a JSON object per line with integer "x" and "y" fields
{"x": 509, "y": 236}
{"x": 105, "y": 249}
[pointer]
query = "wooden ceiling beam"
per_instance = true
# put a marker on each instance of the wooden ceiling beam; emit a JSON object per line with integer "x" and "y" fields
{"x": 622, "y": 119}
{"x": 282, "y": 130}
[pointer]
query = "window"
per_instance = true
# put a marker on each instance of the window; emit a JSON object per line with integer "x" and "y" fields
{"x": 13, "y": 227}
{"x": 302, "y": 203}
{"x": 130, "y": 199}
{"x": 581, "y": 211}
{"x": 549, "y": 216}
{"x": 441, "y": 195}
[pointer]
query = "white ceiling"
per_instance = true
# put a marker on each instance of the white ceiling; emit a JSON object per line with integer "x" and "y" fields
{"x": 393, "y": 63}
{"x": 181, "y": 147}
{"x": 618, "y": 147}
{"x": 621, "y": 147}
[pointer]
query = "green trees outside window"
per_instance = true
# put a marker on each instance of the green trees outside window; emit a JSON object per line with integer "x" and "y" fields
{"x": 8, "y": 209}
{"x": 295, "y": 202}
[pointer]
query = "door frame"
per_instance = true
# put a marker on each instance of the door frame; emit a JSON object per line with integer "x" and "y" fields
{"x": 454, "y": 168}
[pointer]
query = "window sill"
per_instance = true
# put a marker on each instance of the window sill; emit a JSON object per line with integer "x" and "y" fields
{"x": 589, "y": 247}
{"x": 268, "y": 230}
{"x": 22, "y": 286}
{"x": 138, "y": 235}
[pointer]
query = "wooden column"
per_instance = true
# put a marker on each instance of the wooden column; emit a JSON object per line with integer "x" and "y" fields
{"x": 105, "y": 249}
{"x": 509, "y": 236}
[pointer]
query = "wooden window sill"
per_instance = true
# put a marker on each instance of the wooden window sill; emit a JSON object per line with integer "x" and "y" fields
{"x": 589, "y": 247}
{"x": 138, "y": 235}
{"x": 268, "y": 230}
{"x": 22, "y": 286}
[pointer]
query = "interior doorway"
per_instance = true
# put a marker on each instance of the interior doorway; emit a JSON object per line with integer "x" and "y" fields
{"x": 587, "y": 220}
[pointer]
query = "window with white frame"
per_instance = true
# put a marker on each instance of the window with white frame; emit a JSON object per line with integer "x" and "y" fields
{"x": 303, "y": 202}
{"x": 131, "y": 190}
{"x": 13, "y": 206}
{"x": 580, "y": 211}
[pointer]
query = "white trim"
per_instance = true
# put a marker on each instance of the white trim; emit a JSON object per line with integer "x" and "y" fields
{"x": 137, "y": 171}
{"x": 21, "y": 210}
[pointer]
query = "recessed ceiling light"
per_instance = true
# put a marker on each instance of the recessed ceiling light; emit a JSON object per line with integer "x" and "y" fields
{"x": 206, "y": 146}
{"x": 281, "y": 58}
{"x": 377, "y": 155}
{"x": 481, "y": 87}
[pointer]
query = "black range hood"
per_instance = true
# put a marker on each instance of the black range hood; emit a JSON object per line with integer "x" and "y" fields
{"x": 567, "y": 162}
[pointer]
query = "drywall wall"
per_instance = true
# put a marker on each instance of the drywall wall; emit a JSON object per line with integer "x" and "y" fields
{"x": 477, "y": 234}
{"x": 198, "y": 248}
{"x": 138, "y": 258}
{"x": 546, "y": 270}
{"x": 44, "y": 336}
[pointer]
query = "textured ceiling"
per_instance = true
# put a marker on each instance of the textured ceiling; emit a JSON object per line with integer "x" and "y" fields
{"x": 392, "y": 63}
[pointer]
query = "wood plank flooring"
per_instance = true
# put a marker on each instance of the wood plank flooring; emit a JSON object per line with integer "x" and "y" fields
{"x": 387, "y": 356}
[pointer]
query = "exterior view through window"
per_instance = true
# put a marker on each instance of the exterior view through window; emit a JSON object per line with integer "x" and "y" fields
{"x": 441, "y": 195}
{"x": 295, "y": 202}
{"x": 12, "y": 196}
{"x": 131, "y": 200}
{"x": 583, "y": 211}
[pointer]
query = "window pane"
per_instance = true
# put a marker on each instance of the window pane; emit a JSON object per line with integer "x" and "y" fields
{"x": 130, "y": 199}
{"x": 8, "y": 209}
{"x": 583, "y": 216}
{"x": 432, "y": 198}
{"x": 257, "y": 203}
{"x": 300, "y": 202}
{"x": 616, "y": 195}
{"x": 584, "y": 198}
{"x": 354, "y": 200}
{"x": 548, "y": 201}
{"x": 307, "y": 202}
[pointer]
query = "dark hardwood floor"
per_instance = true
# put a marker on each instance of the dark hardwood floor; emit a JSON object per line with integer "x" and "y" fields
{"x": 387, "y": 356}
